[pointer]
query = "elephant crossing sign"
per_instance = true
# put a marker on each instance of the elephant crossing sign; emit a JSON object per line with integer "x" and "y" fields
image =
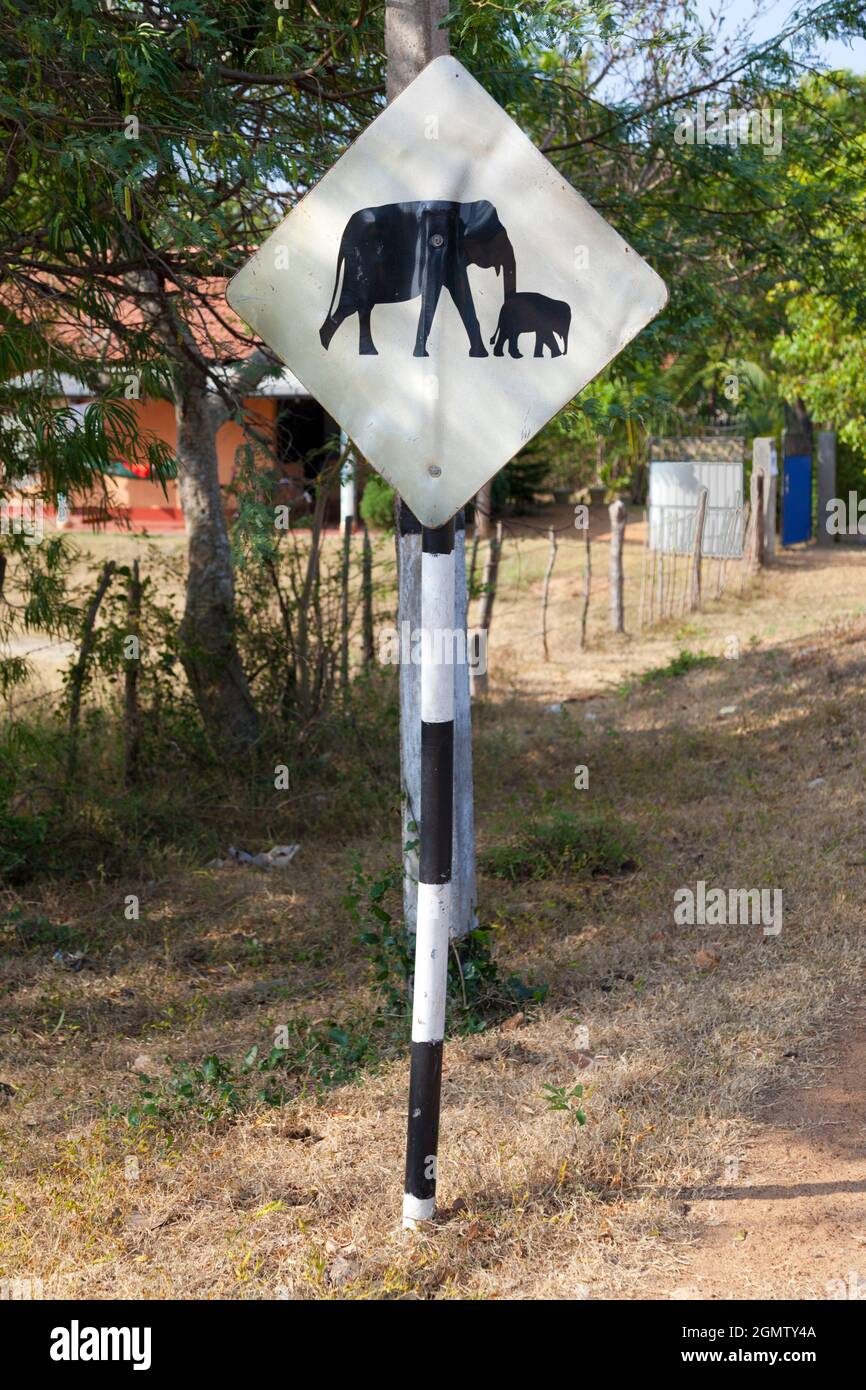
{"x": 443, "y": 192}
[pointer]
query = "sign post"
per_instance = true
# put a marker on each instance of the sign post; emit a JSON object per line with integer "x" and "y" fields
{"x": 442, "y": 192}
{"x": 434, "y": 877}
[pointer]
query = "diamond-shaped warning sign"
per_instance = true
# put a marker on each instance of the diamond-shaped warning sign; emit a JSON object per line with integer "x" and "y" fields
{"x": 443, "y": 291}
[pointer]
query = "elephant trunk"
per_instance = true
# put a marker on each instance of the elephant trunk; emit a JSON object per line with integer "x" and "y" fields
{"x": 509, "y": 266}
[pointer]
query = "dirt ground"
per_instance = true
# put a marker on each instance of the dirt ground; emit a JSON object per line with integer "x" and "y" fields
{"x": 724, "y": 1149}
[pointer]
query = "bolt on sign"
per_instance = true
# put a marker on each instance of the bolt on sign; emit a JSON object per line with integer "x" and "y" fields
{"x": 443, "y": 291}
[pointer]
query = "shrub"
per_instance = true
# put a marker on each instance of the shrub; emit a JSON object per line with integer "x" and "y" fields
{"x": 377, "y": 504}
{"x": 563, "y": 843}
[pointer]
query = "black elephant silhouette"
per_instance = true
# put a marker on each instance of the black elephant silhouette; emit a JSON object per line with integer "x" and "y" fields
{"x": 395, "y": 252}
{"x": 532, "y": 313}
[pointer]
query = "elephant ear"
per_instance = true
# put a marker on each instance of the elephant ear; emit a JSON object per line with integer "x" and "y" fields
{"x": 480, "y": 221}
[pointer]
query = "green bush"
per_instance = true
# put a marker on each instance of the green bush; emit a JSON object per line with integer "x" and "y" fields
{"x": 679, "y": 665}
{"x": 563, "y": 843}
{"x": 377, "y": 504}
{"x": 22, "y": 841}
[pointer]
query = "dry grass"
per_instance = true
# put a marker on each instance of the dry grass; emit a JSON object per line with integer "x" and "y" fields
{"x": 688, "y": 1027}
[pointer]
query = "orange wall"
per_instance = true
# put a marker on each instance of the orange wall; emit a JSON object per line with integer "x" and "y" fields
{"x": 157, "y": 417}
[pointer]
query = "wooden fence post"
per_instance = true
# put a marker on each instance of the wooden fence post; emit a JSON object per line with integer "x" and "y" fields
{"x": 587, "y": 585}
{"x": 700, "y": 518}
{"x": 79, "y": 670}
{"x": 616, "y": 511}
{"x": 551, "y": 561}
{"x": 643, "y": 573}
{"x": 132, "y": 723}
{"x": 473, "y": 563}
{"x": 488, "y": 596}
{"x": 756, "y": 549}
{"x": 367, "y": 597}
{"x": 746, "y": 542}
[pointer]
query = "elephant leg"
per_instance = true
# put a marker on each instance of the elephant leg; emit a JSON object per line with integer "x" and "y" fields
{"x": 458, "y": 285}
{"x": 550, "y": 341}
{"x": 366, "y": 346}
{"x": 498, "y": 344}
{"x": 513, "y": 350}
{"x": 540, "y": 340}
{"x": 429, "y": 299}
{"x": 332, "y": 323}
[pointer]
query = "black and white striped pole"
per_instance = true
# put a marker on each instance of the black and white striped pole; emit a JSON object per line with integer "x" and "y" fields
{"x": 434, "y": 877}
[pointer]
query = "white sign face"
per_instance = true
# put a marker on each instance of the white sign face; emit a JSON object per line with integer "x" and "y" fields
{"x": 443, "y": 291}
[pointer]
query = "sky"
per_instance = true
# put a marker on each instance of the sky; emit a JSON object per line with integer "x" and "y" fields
{"x": 772, "y": 21}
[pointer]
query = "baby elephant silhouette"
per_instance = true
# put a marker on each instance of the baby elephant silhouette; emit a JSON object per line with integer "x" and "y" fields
{"x": 532, "y": 313}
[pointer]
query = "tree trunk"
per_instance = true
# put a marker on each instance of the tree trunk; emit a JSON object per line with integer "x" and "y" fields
{"x": 208, "y": 651}
{"x": 207, "y": 643}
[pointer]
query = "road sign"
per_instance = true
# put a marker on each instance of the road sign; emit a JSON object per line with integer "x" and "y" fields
{"x": 443, "y": 192}
{"x": 438, "y": 391}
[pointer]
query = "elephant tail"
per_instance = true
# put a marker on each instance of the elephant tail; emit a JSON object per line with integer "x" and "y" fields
{"x": 341, "y": 261}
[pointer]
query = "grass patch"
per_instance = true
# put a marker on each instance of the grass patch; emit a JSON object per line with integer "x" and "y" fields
{"x": 679, "y": 665}
{"x": 563, "y": 843}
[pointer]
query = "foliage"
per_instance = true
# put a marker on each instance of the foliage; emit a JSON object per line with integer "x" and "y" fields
{"x": 518, "y": 483}
{"x": 289, "y": 594}
{"x": 823, "y": 363}
{"x": 568, "y": 1101}
{"x": 22, "y": 839}
{"x": 678, "y": 665}
{"x": 563, "y": 843}
{"x": 377, "y": 504}
{"x": 476, "y": 993}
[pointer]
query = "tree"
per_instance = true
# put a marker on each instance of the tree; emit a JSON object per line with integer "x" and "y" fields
{"x": 821, "y": 350}
{"x": 144, "y": 144}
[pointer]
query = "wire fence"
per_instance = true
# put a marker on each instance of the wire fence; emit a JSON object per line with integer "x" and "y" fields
{"x": 658, "y": 587}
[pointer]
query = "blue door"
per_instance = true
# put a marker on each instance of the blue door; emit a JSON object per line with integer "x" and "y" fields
{"x": 797, "y": 499}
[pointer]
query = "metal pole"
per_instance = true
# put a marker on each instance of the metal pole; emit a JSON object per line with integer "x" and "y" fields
{"x": 434, "y": 878}
{"x": 347, "y": 517}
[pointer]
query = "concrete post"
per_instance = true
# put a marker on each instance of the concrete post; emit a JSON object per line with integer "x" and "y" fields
{"x": 826, "y": 481}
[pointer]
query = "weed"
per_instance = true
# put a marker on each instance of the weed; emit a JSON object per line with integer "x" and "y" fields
{"x": 678, "y": 665}
{"x": 476, "y": 993}
{"x": 563, "y": 843}
{"x": 560, "y": 1098}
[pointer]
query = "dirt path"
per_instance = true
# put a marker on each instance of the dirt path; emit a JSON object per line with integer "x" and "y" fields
{"x": 791, "y": 1220}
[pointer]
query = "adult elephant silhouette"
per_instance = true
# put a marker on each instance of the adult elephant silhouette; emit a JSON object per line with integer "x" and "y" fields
{"x": 395, "y": 252}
